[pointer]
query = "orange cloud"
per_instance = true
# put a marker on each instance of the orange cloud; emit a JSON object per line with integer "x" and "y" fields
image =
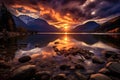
{"x": 25, "y": 7}
{"x": 56, "y": 18}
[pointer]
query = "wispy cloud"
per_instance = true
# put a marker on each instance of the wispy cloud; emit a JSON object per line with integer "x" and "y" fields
{"x": 65, "y": 12}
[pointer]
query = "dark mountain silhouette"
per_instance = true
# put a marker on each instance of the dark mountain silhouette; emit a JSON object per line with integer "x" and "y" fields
{"x": 87, "y": 27}
{"x": 39, "y": 40}
{"x": 41, "y": 26}
{"x": 112, "y": 25}
{"x": 6, "y": 21}
{"x": 19, "y": 22}
{"x": 89, "y": 39}
{"x": 112, "y": 40}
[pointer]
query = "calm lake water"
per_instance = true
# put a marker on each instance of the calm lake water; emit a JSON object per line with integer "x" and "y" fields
{"x": 40, "y": 47}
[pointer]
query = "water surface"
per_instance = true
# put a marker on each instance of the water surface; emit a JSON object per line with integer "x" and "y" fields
{"x": 40, "y": 48}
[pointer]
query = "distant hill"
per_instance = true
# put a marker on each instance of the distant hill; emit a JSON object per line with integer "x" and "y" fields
{"x": 112, "y": 25}
{"x": 41, "y": 26}
{"x": 87, "y": 27}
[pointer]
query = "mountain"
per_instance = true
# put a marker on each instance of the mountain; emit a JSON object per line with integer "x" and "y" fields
{"x": 87, "y": 27}
{"x": 41, "y": 26}
{"x": 19, "y": 22}
{"x": 26, "y": 18}
{"x": 112, "y": 25}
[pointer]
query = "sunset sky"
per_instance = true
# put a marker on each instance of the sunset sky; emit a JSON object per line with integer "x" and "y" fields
{"x": 62, "y": 13}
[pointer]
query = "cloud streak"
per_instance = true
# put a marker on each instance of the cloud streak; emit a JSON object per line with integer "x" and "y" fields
{"x": 61, "y": 13}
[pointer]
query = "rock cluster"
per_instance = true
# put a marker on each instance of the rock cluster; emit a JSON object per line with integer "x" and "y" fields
{"x": 75, "y": 71}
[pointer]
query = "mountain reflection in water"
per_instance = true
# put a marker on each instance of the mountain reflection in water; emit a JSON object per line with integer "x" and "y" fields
{"x": 49, "y": 51}
{"x": 43, "y": 44}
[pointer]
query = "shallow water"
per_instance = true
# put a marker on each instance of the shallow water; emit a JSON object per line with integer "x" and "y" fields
{"x": 40, "y": 48}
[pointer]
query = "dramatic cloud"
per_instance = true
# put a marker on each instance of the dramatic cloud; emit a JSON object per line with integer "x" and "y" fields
{"x": 62, "y": 13}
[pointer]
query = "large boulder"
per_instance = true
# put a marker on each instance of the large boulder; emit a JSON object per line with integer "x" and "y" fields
{"x": 24, "y": 59}
{"x": 99, "y": 77}
{"x": 24, "y": 73}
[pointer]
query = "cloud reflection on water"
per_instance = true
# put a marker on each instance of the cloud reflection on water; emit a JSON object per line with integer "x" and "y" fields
{"x": 66, "y": 42}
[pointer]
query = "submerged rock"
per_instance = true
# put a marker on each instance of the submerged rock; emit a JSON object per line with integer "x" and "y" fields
{"x": 80, "y": 76}
{"x": 104, "y": 71}
{"x": 72, "y": 77}
{"x": 4, "y": 65}
{"x": 79, "y": 66}
{"x": 99, "y": 77}
{"x": 64, "y": 67}
{"x": 109, "y": 54}
{"x": 87, "y": 57}
{"x": 59, "y": 77}
{"x": 24, "y": 59}
{"x": 24, "y": 73}
{"x": 88, "y": 72}
{"x": 44, "y": 75}
{"x": 98, "y": 60}
{"x": 114, "y": 67}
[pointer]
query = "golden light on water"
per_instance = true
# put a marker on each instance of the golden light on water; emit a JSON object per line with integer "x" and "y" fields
{"x": 66, "y": 38}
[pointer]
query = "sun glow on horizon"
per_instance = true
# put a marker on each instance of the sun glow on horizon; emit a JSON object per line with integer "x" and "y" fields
{"x": 56, "y": 18}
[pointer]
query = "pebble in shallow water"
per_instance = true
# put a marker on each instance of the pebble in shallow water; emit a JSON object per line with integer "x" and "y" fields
{"x": 44, "y": 75}
{"x": 104, "y": 71}
{"x": 64, "y": 67}
{"x": 59, "y": 77}
{"x": 24, "y": 59}
{"x": 4, "y": 65}
{"x": 79, "y": 66}
{"x": 25, "y": 72}
{"x": 80, "y": 76}
{"x": 99, "y": 77}
{"x": 98, "y": 60}
{"x": 109, "y": 53}
{"x": 114, "y": 67}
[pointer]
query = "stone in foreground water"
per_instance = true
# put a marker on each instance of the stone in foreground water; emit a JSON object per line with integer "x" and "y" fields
{"x": 24, "y": 59}
{"x": 114, "y": 67}
{"x": 24, "y": 73}
{"x": 44, "y": 75}
{"x": 104, "y": 71}
{"x": 59, "y": 77}
{"x": 99, "y": 77}
{"x": 98, "y": 60}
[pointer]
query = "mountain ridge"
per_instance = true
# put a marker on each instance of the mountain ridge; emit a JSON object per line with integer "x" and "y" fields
{"x": 87, "y": 27}
{"x": 25, "y": 18}
{"x": 41, "y": 25}
{"x": 112, "y": 25}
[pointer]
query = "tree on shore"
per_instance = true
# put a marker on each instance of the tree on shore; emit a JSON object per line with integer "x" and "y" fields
{"x": 6, "y": 21}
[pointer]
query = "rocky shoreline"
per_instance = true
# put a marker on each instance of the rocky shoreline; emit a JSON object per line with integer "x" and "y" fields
{"x": 27, "y": 68}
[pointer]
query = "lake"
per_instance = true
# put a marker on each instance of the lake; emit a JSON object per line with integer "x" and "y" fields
{"x": 42, "y": 49}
